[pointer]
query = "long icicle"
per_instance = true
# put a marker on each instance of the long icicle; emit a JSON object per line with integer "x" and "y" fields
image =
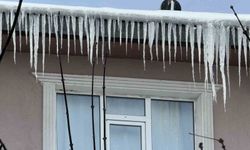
{"x": 144, "y": 43}
{"x": 192, "y": 49}
{"x": 97, "y": 34}
{"x": 80, "y": 25}
{"x": 61, "y": 30}
{"x": 163, "y": 34}
{"x": 157, "y": 40}
{"x": 132, "y": 25}
{"x": 138, "y": 35}
{"x": 240, "y": 36}
{"x": 68, "y": 34}
{"x": 13, "y": 35}
{"x": 73, "y": 21}
{"x": 199, "y": 33}
{"x": 55, "y": 17}
{"x": 43, "y": 39}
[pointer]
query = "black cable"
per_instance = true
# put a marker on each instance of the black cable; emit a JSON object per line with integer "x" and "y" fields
{"x": 12, "y": 30}
{"x": 104, "y": 102}
{"x": 2, "y": 146}
{"x": 93, "y": 106}
{"x": 244, "y": 30}
{"x": 66, "y": 103}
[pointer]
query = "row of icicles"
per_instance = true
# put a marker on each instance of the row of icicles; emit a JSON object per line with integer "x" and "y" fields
{"x": 215, "y": 39}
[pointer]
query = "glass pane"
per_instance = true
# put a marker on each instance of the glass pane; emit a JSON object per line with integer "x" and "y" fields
{"x": 125, "y": 106}
{"x": 171, "y": 123}
{"x": 125, "y": 137}
{"x": 80, "y": 119}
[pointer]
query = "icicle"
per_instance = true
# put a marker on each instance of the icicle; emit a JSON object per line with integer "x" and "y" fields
{"x": 97, "y": 38}
{"x": 68, "y": 34}
{"x": 172, "y": 5}
{"x": 169, "y": 41}
{"x": 132, "y": 24}
{"x": 217, "y": 47}
{"x": 151, "y": 37}
{"x": 103, "y": 38}
{"x": 163, "y": 37}
{"x": 36, "y": 40}
{"x": 144, "y": 43}
{"x": 13, "y": 35}
{"x": 120, "y": 30}
{"x": 49, "y": 26}
{"x": 86, "y": 27}
{"x": 80, "y": 22}
{"x": 43, "y": 38}
{"x": 26, "y": 27}
{"x": 109, "y": 34}
{"x": 228, "y": 58}
{"x": 7, "y": 17}
{"x": 73, "y": 20}
{"x": 187, "y": 31}
{"x": 240, "y": 36}
{"x": 114, "y": 30}
{"x": 1, "y": 31}
{"x": 126, "y": 36}
{"x": 157, "y": 40}
{"x": 199, "y": 33}
{"x": 222, "y": 52}
{"x": 61, "y": 29}
{"x": 91, "y": 38}
{"x": 245, "y": 52}
{"x": 138, "y": 35}
{"x": 20, "y": 32}
{"x": 175, "y": 42}
{"x": 192, "y": 49}
{"x": 31, "y": 22}
{"x": 180, "y": 40}
{"x": 209, "y": 54}
{"x": 55, "y": 17}
{"x": 233, "y": 36}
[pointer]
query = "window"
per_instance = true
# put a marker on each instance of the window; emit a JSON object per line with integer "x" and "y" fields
{"x": 149, "y": 115}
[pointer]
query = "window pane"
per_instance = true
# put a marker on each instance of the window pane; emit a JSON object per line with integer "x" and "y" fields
{"x": 125, "y": 106}
{"x": 125, "y": 137}
{"x": 171, "y": 123}
{"x": 80, "y": 119}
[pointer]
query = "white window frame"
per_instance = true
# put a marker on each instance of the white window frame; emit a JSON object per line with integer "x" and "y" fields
{"x": 146, "y": 88}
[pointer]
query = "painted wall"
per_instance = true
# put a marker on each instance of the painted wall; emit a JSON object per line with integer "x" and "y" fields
{"x": 242, "y": 6}
{"x": 21, "y": 98}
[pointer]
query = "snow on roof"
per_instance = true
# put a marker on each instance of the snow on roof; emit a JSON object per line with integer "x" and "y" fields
{"x": 214, "y": 30}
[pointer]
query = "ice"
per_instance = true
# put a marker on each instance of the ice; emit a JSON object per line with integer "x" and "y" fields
{"x": 192, "y": 49}
{"x": 13, "y": 35}
{"x": 126, "y": 36}
{"x": 222, "y": 52}
{"x": 80, "y": 25}
{"x": 163, "y": 37}
{"x": 138, "y": 35}
{"x": 114, "y": 30}
{"x": 169, "y": 41}
{"x": 25, "y": 26}
{"x": 228, "y": 58}
{"x": 20, "y": 32}
{"x": 109, "y": 34}
{"x": 91, "y": 38}
{"x": 157, "y": 40}
{"x": 103, "y": 38}
{"x": 180, "y": 39}
{"x": 217, "y": 47}
{"x": 240, "y": 37}
{"x": 86, "y": 27}
{"x": 199, "y": 33}
{"x": 49, "y": 28}
{"x": 120, "y": 31}
{"x": 172, "y": 5}
{"x": 245, "y": 52}
{"x": 1, "y": 23}
{"x": 233, "y": 36}
{"x": 43, "y": 39}
{"x": 175, "y": 41}
{"x": 73, "y": 21}
{"x": 55, "y": 17}
{"x": 132, "y": 25}
{"x": 36, "y": 40}
{"x": 97, "y": 32}
{"x": 7, "y": 17}
{"x": 31, "y": 22}
{"x": 61, "y": 30}
{"x": 151, "y": 37}
{"x": 144, "y": 43}
{"x": 186, "y": 38}
{"x": 68, "y": 34}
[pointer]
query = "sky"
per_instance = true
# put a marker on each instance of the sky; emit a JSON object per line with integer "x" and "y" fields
{"x": 241, "y": 6}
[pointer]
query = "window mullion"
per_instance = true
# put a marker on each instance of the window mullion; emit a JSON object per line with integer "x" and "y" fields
{"x": 148, "y": 124}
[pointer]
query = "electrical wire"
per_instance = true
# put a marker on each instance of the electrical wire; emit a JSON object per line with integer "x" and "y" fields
{"x": 93, "y": 106}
